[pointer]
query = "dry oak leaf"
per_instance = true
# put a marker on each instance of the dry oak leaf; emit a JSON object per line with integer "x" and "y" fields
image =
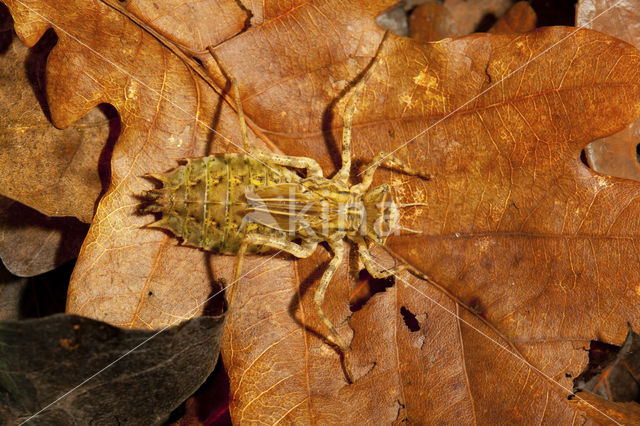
{"x": 431, "y": 21}
{"x": 127, "y": 275}
{"x": 50, "y": 169}
{"x": 613, "y": 370}
{"x": 520, "y": 18}
{"x": 513, "y": 216}
{"x": 32, "y": 243}
{"x": 53, "y": 171}
{"x": 603, "y": 411}
{"x": 189, "y": 24}
{"x": 543, "y": 247}
{"x": 516, "y": 226}
{"x": 468, "y": 14}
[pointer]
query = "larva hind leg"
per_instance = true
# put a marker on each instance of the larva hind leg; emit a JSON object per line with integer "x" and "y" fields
{"x": 303, "y": 250}
{"x": 318, "y": 298}
{"x": 298, "y": 250}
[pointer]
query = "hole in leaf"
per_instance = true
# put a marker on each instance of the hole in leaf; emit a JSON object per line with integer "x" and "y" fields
{"x": 613, "y": 370}
{"x": 638, "y": 153}
{"x": 583, "y": 158}
{"x": 410, "y": 319}
{"x": 367, "y": 287}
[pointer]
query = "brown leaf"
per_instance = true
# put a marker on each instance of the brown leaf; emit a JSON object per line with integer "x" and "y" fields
{"x": 619, "y": 19}
{"x": 11, "y": 291}
{"x": 603, "y": 411}
{"x": 34, "y": 297}
{"x": 189, "y": 25}
{"x": 516, "y": 227}
{"x": 32, "y": 244}
{"x": 468, "y": 14}
{"x": 138, "y": 277}
{"x": 520, "y": 18}
{"x": 615, "y": 155}
{"x": 53, "y": 171}
{"x": 431, "y": 21}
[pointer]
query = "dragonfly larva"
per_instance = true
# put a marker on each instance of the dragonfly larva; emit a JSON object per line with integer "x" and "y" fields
{"x": 257, "y": 202}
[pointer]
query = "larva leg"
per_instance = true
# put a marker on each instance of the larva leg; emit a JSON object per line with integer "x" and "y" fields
{"x": 342, "y": 175}
{"x": 318, "y": 298}
{"x": 371, "y": 266}
{"x": 347, "y": 119}
{"x": 338, "y": 255}
{"x": 308, "y": 164}
{"x": 303, "y": 250}
{"x": 236, "y": 97}
{"x": 388, "y": 161}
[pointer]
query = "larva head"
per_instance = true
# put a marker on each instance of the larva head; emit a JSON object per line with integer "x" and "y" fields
{"x": 381, "y": 213}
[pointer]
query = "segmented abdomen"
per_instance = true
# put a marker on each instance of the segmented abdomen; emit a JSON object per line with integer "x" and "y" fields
{"x": 204, "y": 202}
